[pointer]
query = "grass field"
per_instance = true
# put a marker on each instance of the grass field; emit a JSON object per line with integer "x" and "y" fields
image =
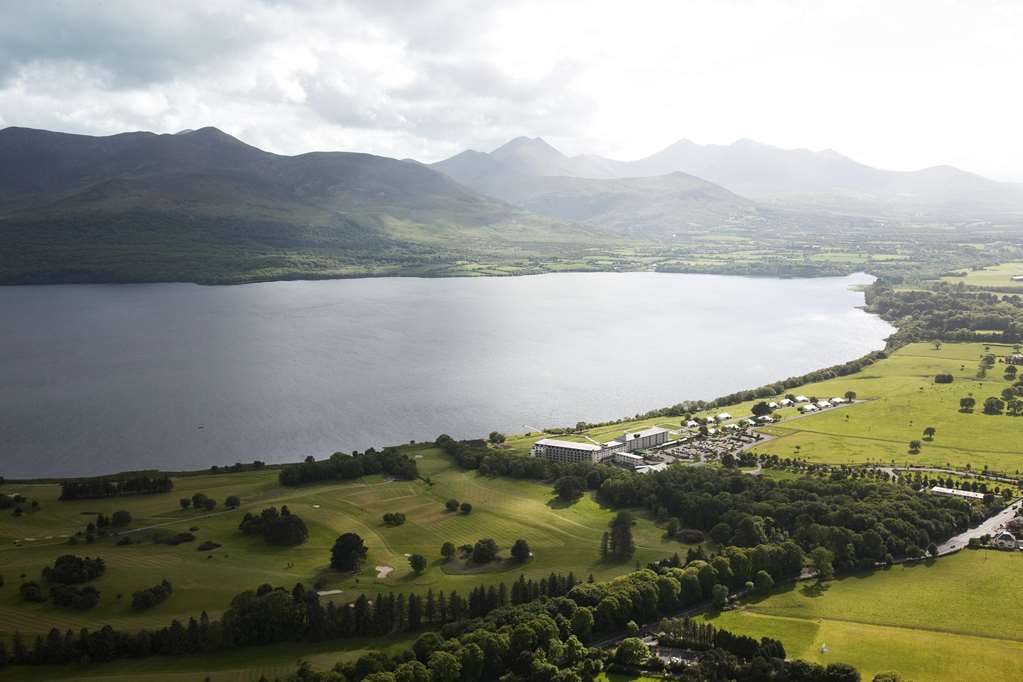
{"x": 563, "y": 538}
{"x": 901, "y": 399}
{"x": 993, "y": 276}
{"x": 950, "y": 620}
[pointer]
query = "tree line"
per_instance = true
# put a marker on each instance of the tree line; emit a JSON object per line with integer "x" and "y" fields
{"x": 98, "y": 488}
{"x": 344, "y": 467}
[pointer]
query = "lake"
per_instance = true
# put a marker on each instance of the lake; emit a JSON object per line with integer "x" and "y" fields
{"x": 105, "y": 378}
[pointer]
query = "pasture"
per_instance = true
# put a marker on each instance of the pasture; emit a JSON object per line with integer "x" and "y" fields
{"x": 992, "y": 276}
{"x": 900, "y": 401}
{"x": 564, "y": 538}
{"x": 946, "y": 620}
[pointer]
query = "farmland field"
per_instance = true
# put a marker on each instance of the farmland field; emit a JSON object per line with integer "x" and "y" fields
{"x": 563, "y": 538}
{"x": 992, "y": 276}
{"x": 948, "y": 620}
{"x": 900, "y": 400}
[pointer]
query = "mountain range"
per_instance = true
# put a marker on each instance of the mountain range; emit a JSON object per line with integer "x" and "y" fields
{"x": 204, "y": 206}
{"x": 771, "y": 175}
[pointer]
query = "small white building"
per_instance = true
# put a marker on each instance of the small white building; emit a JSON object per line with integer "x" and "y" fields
{"x": 784, "y": 402}
{"x": 955, "y": 492}
{"x": 823, "y": 403}
{"x": 773, "y": 406}
{"x": 691, "y": 424}
{"x": 806, "y": 409}
{"x": 802, "y": 399}
{"x": 732, "y": 427}
{"x": 839, "y": 401}
{"x": 723, "y": 417}
{"x": 748, "y": 422}
{"x": 1005, "y": 540}
{"x": 709, "y": 420}
{"x": 765, "y": 418}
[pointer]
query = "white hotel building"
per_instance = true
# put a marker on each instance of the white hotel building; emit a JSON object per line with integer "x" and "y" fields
{"x": 571, "y": 452}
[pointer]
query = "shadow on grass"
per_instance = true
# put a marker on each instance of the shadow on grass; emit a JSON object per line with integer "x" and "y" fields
{"x": 559, "y": 503}
{"x": 814, "y": 589}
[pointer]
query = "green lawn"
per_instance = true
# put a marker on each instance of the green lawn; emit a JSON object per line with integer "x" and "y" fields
{"x": 563, "y": 539}
{"x": 993, "y": 276}
{"x": 950, "y": 620}
{"x": 901, "y": 399}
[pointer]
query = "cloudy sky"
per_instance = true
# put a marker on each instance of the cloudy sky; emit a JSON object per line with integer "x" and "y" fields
{"x": 898, "y": 84}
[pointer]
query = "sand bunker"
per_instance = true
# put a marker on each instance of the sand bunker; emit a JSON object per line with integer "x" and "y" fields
{"x": 327, "y": 593}
{"x": 384, "y": 571}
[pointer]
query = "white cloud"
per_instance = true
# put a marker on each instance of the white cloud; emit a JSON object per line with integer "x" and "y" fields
{"x": 898, "y": 84}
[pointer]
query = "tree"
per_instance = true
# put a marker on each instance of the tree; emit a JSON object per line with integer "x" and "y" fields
{"x": 821, "y": 558}
{"x": 761, "y": 409}
{"x": 496, "y": 437}
{"x": 621, "y": 543}
{"x": 120, "y": 518}
{"x": 673, "y": 527}
{"x": 520, "y": 551}
{"x": 929, "y": 433}
{"x": 444, "y": 667}
{"x": 967, "y": 404}
{"x": 232, "y": 501}
{"x": 994, "y": 405}
{"x": 937, "y": 345}
{"x": 394, "y": 518}
{"x": 185, "y": 502}
{"x": 632, "y": 652}
{"x": 348, "y": 552}
{"x": 447, "y": 550}
{"x": 452, "y": 505}
{"x": 850, "y": 395}
{"x": 763, "y": 582}
{"x": 888, "y": 676}
{"x": 932, "y": 549}
{"x": 466, "y": 508}
{"x": 914, "y": 446}
{"x": 719, "y": 596}
{"x": 841, "y": 672}
{"x": 412, "y": 671}
{"x": 417, "y": 562}
{"x": 721, "y": 533}
{"x": 484, "y": 551}
{"x": 569, "y": 488}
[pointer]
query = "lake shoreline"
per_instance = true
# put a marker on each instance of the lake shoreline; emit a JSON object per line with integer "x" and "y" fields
{"x": 487, "y": 326}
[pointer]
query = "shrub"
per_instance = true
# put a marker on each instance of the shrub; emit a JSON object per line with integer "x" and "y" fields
{"x": 943, "y": 378}
{"x": 452, "y": 505}
{"x": 394, "y": 518}
{"x": 120, "y": 518}
{"x": 278, "y": 528}
{"x": 79, "y": 598}
{"x": 232, "y": 501}
{"x": 150, "y": 597}
{"x": 484, "y": 551}
{"x": 208, "y": 545}
{"x": 31, "y": 591}
{"x": 69, "y": 569}
{"x": 466, "y": 508}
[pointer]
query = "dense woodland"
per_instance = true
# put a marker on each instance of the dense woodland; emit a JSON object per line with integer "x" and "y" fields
{"x": 950, "y": 312}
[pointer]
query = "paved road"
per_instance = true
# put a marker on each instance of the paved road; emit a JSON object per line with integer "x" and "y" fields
{"x": 988, "y": 527}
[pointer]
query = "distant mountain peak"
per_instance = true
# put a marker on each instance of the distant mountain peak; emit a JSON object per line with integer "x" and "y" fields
{"x": 525, "y": 144}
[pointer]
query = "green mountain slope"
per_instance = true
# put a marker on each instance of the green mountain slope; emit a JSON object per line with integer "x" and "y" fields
{"x": 203, "y": 206}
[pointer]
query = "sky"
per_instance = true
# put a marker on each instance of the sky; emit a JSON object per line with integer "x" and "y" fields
{"x": 897, "y": 84}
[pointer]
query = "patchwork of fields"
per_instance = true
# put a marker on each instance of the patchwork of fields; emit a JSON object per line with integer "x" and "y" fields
{"x": 952, "y": 620}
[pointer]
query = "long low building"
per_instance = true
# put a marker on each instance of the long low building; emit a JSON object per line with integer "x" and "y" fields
{"x": 572, "y": 452}
{"x": 955, "y": 492}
